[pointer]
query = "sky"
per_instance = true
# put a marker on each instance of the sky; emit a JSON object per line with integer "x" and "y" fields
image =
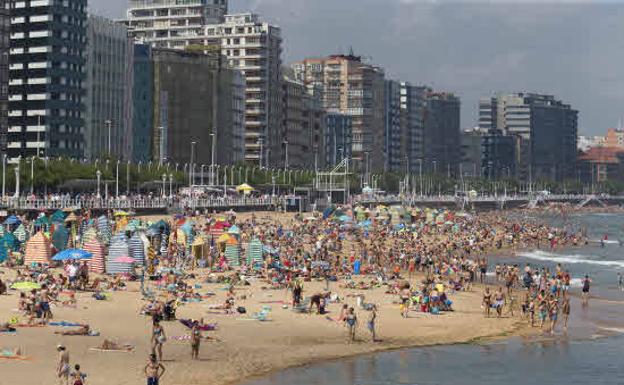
{"x": 571, "y": 49}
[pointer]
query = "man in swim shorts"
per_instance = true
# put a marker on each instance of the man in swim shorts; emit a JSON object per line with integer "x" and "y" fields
{"x": 154, "y": 370}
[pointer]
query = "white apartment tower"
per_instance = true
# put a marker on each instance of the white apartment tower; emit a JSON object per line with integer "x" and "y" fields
{"x": 173, "y": 23}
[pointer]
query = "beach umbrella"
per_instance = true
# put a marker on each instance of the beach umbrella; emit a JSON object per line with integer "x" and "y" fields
{"x": 96, "y": 249}
{"x": 72, "y": 254}
{"x": 137, "y": 249}
{"x": 118, "y": 248}
{"x": 20, "y": 233}
{"x": 244, "y": 188}
{"x": 57, "y": 217}
{"x": 60, "y": 238}
{"x": 223, "y": 238}
{"x": 12, "y": 220}
{"x": 234, "y": 230}
{"x": 26, "y": 286}
{"x": 121, "y": 213}
{"x": 38, "y": 250}
{"x": 254, "y": 252}
{"x": 42, "y": 221}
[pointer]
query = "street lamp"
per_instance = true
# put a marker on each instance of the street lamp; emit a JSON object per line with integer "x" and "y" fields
{"x": 128, "y": 178}
{"x": 171, "y": 186}
{"x": 212, "y": 157}
{"x": 4, "y": 160}
{"x": 261, "y": 143}
{"x": 202, "y": 174}
{"x": 32, "y": 175}
{"x": 98, "y": 175}
{"x": 164, "y": 191}
{"x": 191, "y": 165}
{"x": 286, "y": 154}
{"x": 17, "y": 177}
{"x": 109, "y": 123}
{"x": 117, "y": 180}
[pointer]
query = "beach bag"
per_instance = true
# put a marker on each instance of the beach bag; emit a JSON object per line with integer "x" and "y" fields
{"x": 241, "y": 310}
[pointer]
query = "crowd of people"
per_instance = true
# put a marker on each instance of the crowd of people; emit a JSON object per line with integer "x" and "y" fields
{"x": 420, "y": 257}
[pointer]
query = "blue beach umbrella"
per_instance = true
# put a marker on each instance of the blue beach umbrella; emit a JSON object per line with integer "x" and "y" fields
{"x": 70, "y": 254}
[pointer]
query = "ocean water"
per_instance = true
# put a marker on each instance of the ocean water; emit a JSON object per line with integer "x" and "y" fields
{"x": 590, "y": 352}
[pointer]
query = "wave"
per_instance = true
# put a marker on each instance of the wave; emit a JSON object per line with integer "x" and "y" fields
{"x": 569, "y": 259}
{"x": 606, "y": 242}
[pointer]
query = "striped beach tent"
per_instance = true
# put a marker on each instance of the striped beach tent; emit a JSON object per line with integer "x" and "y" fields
{"x": 232, "y": 253}
{"x": 118, "y": 248}
{"x": 89, "y": 234}
{"x": 104, "y": 229}
{"x": 38, "y": 250}
{"x": 95, "y": 247}
{"x": 60, "y": 238}
{"x": 137, "y": 249}
{"x": 20, "y": 233}
{"x": 254, "y": 252}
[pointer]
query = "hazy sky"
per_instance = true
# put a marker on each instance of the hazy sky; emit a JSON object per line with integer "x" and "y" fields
{"x": 574, "y": 50}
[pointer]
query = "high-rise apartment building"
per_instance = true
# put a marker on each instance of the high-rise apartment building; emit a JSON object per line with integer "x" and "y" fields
{"x": 349, "y": 86}
{"x": 109, "y": 81}
{"x": 192, "y": 103}
{"x": 46, "y": 78}
{"x": 173, "y": 23}
{"x": 547, "y": 132}
{"x": 303, "y": 128}
{"x": 394, "y": 154}
{"x": 413, "y": 103}
{"x": 338, "y": 138}
{"x": 142, "y": 103}
{"x": 254, "y": 47}
{"x": 5, "y": 23}
{"x": 442, "y": 147}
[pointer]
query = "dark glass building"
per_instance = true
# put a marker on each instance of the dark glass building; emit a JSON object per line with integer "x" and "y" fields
{"x": 5, "y": 22}
{"x": 338, "y": 138}
{"x": 47, "y": 45}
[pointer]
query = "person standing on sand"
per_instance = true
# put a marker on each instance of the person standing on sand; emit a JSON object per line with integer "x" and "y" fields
{"x": 351, "y": 321}
{"x": 487, "y": 301}
{"x": 372, "y": 320}
{"x": 553, "y": 312}
{"x": 158, "y": 338}
{"x": 62, "y": 367}
{"x": 195, "y": 340}
{"x": 154, "y": 370}
{"x": 565, "y": 310}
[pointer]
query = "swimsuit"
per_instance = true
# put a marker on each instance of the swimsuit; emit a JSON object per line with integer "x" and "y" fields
{"x": 152, "y": 381}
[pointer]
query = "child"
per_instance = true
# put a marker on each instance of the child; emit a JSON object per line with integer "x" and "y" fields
{"x": 77, "y": 376}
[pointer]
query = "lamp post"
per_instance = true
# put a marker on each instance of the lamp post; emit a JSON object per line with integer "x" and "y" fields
{"x": 109, "y": 123}
{"x": 4, "y": 159}
{"x": 202, "y": 174}
{"x": 213, "y": 137}
{"x": 420, "y": 176}
{"x": 191, "y": 165}
{"x": 128, "y": 178}
{"x": 117, "y": 180}
{"x": 261, "y": 143}
{"x": 164, "y": 189}
{"x": 171, "y": 186}
{"x": 32, "y": 175}
{"x": 98, "y": 175}
{"x": 286, "y": 155}
{"x": 17, "y": 178}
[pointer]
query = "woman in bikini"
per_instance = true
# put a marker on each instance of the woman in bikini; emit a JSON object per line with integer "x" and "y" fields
{"x": 351, "y": 321}
{"x": 158, "y": 339}
{"x": 487, "y": 301}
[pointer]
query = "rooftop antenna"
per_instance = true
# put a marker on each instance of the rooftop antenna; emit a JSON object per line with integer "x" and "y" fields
{"x": 351, "y": 51}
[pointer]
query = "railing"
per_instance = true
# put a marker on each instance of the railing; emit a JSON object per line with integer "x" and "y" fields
{"x": 136, "y": 203}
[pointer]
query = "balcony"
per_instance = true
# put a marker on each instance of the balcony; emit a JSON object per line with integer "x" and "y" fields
{"x": 14, "y": 145}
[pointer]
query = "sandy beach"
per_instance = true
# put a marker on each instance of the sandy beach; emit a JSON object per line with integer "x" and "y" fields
{"x": 243, "y": 348}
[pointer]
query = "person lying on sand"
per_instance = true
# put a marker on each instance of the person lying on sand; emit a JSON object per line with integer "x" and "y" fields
{"x": 84, "y": 330}
{"x": 5, "y": 327}
{"x": 111, "y": 345}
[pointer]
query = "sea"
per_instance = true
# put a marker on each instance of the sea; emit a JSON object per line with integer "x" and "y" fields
{"x": 590, "y": 352}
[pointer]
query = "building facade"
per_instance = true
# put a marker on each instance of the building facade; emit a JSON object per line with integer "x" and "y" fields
{"x": 546, "y": 132}
{"x": 173, "y": 23}
{"x": 349, "y": 86}
{"x": 498, "y": 160}
{"x": 5, "y": 23}
{"x": 586, "y": 142}
{"x": 471, "y": 152}
{"x": 338, "y": 138}
{"x": 109, "y": 81}
{"x": 46, "y": 78}
{"x": 614, "y": 138}
{"x": 442, "y": 149}
{"x": 192, "y": 104}
{"x": 413, "y": 105}
{"x": 142, "y": 103}
{"x": 394, "y": 154}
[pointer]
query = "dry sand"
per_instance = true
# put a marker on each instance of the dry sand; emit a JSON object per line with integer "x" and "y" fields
{"x": 246, "y": 348}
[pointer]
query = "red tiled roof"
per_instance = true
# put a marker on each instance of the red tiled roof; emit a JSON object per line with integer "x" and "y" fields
{"x": 602, "y": 154}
